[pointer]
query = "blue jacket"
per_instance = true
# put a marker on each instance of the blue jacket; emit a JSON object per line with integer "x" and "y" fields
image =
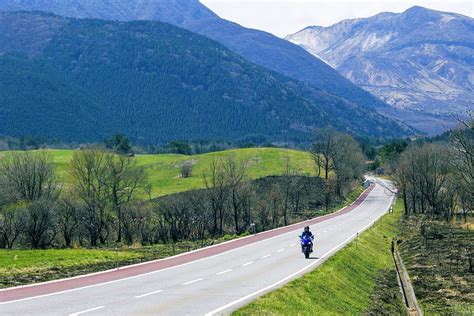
{"x": 307, "y": 234}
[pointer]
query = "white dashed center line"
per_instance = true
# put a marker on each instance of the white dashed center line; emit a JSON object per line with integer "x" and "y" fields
{"x": 147, "y": 294}
{"x": 266, "y": 256}
{"x": 293, "y": 244}
{"x": 87, "y": 311}
{"x": 280, "y": 250}
{"x": 222, "y": 272}
{"x": 248, "y": 263}
{"x": 193, "y": 281}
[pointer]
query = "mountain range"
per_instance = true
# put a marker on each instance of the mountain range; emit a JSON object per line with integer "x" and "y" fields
{"x": 421, "y": 61}
{"x": 259, "y": 47}
{"x": 86, "y": 79}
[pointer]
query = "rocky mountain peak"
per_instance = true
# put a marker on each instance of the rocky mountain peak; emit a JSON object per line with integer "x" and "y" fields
{"x": 418, "y": 61}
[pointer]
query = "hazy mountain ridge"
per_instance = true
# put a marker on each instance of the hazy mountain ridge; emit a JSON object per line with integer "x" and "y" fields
{"x": 256, "y": 46}
{"x": 83, "y": 80}
{"x": 120, "y": 10}
{"x": 420, "y": 60}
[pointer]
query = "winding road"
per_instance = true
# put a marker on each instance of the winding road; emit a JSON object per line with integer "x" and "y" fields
{"x": 211, "y": 281}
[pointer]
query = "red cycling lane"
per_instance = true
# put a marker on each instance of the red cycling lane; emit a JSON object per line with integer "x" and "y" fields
{"x": 22, "y": 292}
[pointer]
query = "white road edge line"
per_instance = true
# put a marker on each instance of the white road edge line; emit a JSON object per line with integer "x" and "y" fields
{"x": 193, "y": 281}
{"x": 87, "y": 311}
{"x": 247, "y": 264}
{"x": 289, "y": 277}
{"x": 147, "y": 294}
{"x": 266, "y": 256}
{"x": 222, "y": 272}
{"x": 166, "y": 269}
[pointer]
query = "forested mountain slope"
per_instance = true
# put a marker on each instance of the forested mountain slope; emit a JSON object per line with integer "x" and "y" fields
{"x": 256, "y": 46}
{"x": 82, "y": 80}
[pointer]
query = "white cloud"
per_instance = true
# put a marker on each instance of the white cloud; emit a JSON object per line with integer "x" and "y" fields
{"x": 283, "y": 17}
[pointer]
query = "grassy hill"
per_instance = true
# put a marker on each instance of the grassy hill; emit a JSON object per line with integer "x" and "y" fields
{"x": 164, "y": 170}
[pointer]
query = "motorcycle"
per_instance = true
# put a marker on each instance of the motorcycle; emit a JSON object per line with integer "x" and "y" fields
{"x": 306, "y": 245}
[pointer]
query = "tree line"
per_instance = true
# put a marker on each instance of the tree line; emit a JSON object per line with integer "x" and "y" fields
{"x": 232, "y": 204}
{"x": 37, "y": 208}
{"x": 438, "y": 178}
{"x": 105, "y": 199}
{"x": 339, "y": 160}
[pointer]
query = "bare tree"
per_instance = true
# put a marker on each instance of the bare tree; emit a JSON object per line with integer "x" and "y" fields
{"x": 90, "y": 173}
{"x": 67, "y": 214}
{"x": 274, "y": 197}
{"x": 40, "y": 226}
{"x": 291, "y": 192}
{"x": 297, "y": 190}
{"x": 433, "y": 170}
{"x": 136, "y": 215}
{"x": 340, "y": 155}
{"x": 125, "y": 180}
{"x": 201, "y": 216}
{"x": 423, "y": 174}
{"x": 30, "y": 182}
{"x": 176, "y": 217}
{"x": 238, "y": 189}
{"x": 402, "y": 177}
{"x": 12, "y": 224}
{"x": 264, "y": 214}
{"x": 462, "y": 142}
{"x": 30, "y": 176}
{"x": 323, "y": 149}
{"x": 409, "y": 183}
{"x": 217, "y": 192}
{"x": 12, "y": 219}
{"x": 348, "y": 163}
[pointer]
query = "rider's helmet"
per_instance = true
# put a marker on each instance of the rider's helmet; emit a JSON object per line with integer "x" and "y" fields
{"x": 306, "y": 229}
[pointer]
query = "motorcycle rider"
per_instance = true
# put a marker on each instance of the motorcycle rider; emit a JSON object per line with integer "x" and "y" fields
{"x": 308, "y": 234}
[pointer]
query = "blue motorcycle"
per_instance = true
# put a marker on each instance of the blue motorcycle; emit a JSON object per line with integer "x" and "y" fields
{"x": 306, "y": 245}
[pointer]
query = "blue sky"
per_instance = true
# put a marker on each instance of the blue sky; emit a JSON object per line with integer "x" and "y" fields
{"x": 283, "y": 17}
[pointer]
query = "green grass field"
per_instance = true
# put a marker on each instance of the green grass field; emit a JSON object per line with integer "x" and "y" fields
{"x": 30, "y": 266}
{"x": 357, "y": 280}
{"x": 163, "y": 170}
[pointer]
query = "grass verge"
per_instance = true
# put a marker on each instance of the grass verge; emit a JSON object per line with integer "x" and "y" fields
{"x": 359, "y": 279}
{"x": 437, "y": 261}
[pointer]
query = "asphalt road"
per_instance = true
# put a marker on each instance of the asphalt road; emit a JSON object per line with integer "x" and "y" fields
{"x": 213, "y": 284}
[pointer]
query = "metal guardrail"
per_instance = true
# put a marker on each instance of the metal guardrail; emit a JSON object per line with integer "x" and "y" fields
{"x": 404, "y": 280}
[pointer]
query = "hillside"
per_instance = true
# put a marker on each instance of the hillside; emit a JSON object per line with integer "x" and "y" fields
{"x": 419, "y": 61}
{"x": 164, "y": 170}
{"x": 88, "y": 79}
{"x": 256, "y": 46}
